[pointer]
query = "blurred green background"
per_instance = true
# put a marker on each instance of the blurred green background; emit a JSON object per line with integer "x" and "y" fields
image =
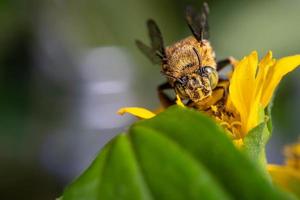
{"x": 67, "y": 66}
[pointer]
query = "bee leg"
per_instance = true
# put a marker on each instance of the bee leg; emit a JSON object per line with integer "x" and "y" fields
{"x": 223, "y": 78}
{"x": 227, "y": 61}
{"x": 223, "y": 84}
{"x": 165, "y": 100}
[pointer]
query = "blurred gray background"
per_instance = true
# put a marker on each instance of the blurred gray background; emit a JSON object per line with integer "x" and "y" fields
{"x": 67, "y": 66}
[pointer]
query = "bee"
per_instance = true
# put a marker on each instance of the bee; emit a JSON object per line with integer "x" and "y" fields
{"x": 190, "y": 64}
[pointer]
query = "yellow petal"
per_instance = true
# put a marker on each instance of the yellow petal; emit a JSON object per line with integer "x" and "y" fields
{"x": 242, "y": 87}
{"x": 254, "y": 113}
{"x": 178, "y": 101}
{"x": 286, "y": 177}
{"x": 266, "y": 61}
{"x": 275, "y": 74}
{"x": 254, "y": 116}
{"x": 136, "y": 111}
{"x": 263, "y": 69}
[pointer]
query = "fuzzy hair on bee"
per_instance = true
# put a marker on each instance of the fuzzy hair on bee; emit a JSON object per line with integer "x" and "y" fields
{"x": 189, "y": 65}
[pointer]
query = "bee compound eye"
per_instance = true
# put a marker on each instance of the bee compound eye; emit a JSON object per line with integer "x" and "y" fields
{"x": 213, "y": 76}
{"x": 211, "y": 73}
{"x": 208, "y": 69}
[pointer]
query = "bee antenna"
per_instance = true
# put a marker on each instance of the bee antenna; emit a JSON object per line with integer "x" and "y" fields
{"x": 199, "y": 61}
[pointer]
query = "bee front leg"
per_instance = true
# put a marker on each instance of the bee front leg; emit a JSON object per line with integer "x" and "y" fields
{"x": 165, "y": 100}
{"x": 224, "y": 85}
{"x": 227, "y": 61}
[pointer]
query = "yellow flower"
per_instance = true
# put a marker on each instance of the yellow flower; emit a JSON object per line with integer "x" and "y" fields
{"x": 252, "y": 86}
{"x": 144, "y": 113}
{"x": 288, "y": 175}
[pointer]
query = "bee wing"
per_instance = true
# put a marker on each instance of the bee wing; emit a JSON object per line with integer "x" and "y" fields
{"x": 149, "y": 52}
{"x": 156, "y": 53}
{"x": 197, "y": 22}
{"x": 191, "y": 18}
{"x": 205, "y": 12}
{"x": 157, "y": 42}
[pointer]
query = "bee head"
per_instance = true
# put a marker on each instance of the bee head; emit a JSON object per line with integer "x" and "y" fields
{"x": 198, "y": 85}
{"x": 191, "y": 69}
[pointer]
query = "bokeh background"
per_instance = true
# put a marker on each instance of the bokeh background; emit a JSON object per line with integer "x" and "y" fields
{"x": 66, "y": 66}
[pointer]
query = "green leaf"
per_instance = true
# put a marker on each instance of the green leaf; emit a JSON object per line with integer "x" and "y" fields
{"x": 268, "y": 112}
{"x": 256, "y": 139}
{"x": 170, "y": 171}
{"x": 179, "y": 154}
{"x": 268, "y": 115}
{"x": 113, "y": 175}
{"x": 255, "y": 145}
